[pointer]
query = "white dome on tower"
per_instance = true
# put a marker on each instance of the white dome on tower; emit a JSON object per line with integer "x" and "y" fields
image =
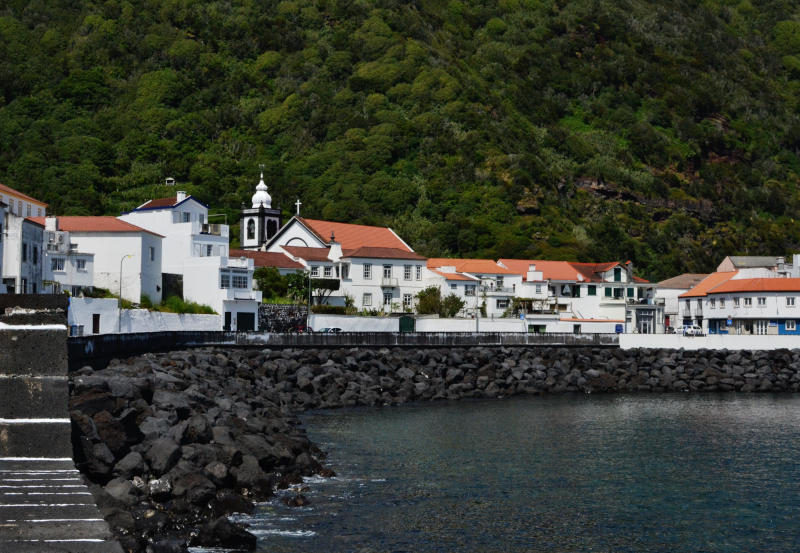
{"x": 262, "y": 196}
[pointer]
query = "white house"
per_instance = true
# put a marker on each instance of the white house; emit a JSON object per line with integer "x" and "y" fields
{"x": 669, "y": 291}
{"x": 314, "y": 233}
{"x": 383, "y": 279}
{"x": 486, "y": 287}
{"x": 125, "y": 258}
{"x": 753, "y": 306}
{"x": 20, "y": 242}
{"x": 65, "y": 268}
{"x": 196, "y": 262}
{"x": 587, "y": 295}
{"x": 22, "y": 255}
{"x": 20, "y": 204}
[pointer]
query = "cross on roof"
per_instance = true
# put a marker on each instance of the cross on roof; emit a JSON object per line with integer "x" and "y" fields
{"x": 298, "y": 203}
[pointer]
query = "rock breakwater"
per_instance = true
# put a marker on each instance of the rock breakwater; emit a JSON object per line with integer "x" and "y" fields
{"x": 174, "y": 442}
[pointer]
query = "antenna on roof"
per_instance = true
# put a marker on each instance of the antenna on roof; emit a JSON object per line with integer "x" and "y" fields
{"x": 333, "y": 238}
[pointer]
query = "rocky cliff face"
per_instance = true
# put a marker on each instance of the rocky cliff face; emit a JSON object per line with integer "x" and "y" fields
{"x": 174, "y": 442}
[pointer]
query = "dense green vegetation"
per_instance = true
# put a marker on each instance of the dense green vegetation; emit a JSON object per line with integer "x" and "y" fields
{"x": 662, "y": 132}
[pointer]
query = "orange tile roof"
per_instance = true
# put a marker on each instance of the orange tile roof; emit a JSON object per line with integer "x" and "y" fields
{"x": 8, "y": 190}
{"x": 475, "y": 266}
{"x": 564, "y": 270}
{"x": 711, "y": 281}
{"x": 267, "y": 259}
{"x": 551, "y": 270}
{"x": 308, "y": 254}
{"x": 454, "y": 276}
{"x": 94, "y": 224}
{"x": 352, "y": 237}
{"x": 757, "y": 285}
{"x": 382, "y": 253}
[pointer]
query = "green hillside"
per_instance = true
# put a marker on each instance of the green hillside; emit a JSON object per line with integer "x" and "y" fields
{"x": 662, "y": 132}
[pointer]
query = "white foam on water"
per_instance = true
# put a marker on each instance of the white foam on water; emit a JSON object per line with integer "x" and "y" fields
{"x": 285, "y": 533}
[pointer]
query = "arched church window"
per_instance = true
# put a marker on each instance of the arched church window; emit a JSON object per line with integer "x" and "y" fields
{"x": 251, "y": 229}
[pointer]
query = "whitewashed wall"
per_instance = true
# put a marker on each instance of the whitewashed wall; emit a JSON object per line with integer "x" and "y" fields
{"x": 81, "y": 311}
{"x": 355, "y": 324}
{"x": 714, "y": 341}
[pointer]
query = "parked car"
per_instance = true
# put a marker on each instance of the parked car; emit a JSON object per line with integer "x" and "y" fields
{"x": 331, "y": 329}
{"x": 690, "y": 330}
{"x": 301, "y": 328}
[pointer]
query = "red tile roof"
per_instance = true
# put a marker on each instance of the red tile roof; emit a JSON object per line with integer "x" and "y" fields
{"x": 711, "y": 281}
{"x": 454, "y": 276}
{"x": 757, "y": 285}
{"x": 564, "y": 270}
{"x": 474, "y": 266}
{"x": 308, "y": 254}
{"x": 352, "y": 237}
{"x": 267, "y": 259}
{"x": 94, "y": 224}
{"x": 159, "y": 202}
{"x": 382, "y": 253}
{"x": 8, "y": 190}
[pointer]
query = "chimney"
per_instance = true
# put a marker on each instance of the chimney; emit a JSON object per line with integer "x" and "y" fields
{"x": 180, "y": 196}
{"x": 51, "y": 224}
{"x": 169, "y": 181}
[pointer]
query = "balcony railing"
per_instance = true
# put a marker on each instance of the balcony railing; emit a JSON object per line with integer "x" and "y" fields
{"x": 214, "y": 229}
{"x": 504, "y": 290}
{"x": 389, "y": 282}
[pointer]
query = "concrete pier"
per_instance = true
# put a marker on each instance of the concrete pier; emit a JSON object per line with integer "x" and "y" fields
{"x": 45, "y": 506}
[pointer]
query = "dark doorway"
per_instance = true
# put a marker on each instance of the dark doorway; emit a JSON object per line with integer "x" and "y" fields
{"x": 96, "y": 323}
{"x": 227, "y": 325}
{"x": 245, "y": 321}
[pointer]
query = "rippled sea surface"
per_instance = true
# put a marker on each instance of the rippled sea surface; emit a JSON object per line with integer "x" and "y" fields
{"x": 682, "y": 473}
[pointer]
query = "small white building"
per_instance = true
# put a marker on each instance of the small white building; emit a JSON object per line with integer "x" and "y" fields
{"x": 669, "y": 291}
{"x": 65, "y": 268}
{"x": 20, "y": 204}
{"x": 125, "y": 258}
{"x": 196, "y": 262}
{"x": 383, "y": 279}
{"x": 488, "y": 287}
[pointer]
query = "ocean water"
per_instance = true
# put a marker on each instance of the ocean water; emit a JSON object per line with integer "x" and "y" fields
{"x": 643, "y": 473}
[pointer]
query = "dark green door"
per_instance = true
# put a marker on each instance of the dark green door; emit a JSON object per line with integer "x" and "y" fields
{"x": 406, "y": 324}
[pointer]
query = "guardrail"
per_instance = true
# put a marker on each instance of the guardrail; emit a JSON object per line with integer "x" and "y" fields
{"x": 104, "y": 347}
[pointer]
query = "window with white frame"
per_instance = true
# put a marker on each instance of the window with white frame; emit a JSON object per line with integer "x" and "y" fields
{"x": 345, "y": 270}
{"x": 367, "y": 271}
{"x": 387, "y": 271}
{"x": 502, "y": 303}
{"x": 748, "y": 302}
{"x": 712, "y": 303}
{"x": 789, "y": 301}
{"x": 538, "y": 288}
{"x": 209, "y": 250}
{"x": 57, "y": 264}
{"x": 762, "y": 301}
{"x": 326, "y": 271}
{"x": 407, "y": 299}
{"x": 722, "y": 303}
{"x": 469, "y": 290}
{"x": 791, "y": 325}
{"x": 736, "y": 302}
{"x": 387, "y": 299}
{"x": 419, "y": 272}
{"x": 406, "y": 272}
{"x": 186, "y": 216}
{"x": 499, "y": 282}
{"x": 366, "y": 300}
{"x": 314, "y": 271}
{"x": 453, "y": 286}
{"x": 224, "y": 279}
{"x": 80, "y": 264}
{"x": 239, "y": 280}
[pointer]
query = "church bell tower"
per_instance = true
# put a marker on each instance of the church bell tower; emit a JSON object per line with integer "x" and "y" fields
{"x": 260, "y": 222}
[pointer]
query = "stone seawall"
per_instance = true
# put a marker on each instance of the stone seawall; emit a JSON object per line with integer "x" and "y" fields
{"x": 176, "y": 441}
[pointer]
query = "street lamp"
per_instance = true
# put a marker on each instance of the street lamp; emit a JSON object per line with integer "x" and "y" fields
{"x": 308, "y": 311}
{"x": 119, "y": 318}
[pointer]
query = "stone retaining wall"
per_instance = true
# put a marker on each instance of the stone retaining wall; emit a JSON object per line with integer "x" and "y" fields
{"x": 195, "y": 435}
